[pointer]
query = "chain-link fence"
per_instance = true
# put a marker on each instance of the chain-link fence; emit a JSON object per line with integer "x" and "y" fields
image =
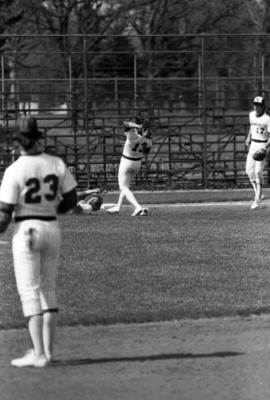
{"x": 197, "y": 97}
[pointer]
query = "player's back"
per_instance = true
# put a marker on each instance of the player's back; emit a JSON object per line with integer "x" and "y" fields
{"x": 135, "y": 145}
{"x": 36, "y": 184}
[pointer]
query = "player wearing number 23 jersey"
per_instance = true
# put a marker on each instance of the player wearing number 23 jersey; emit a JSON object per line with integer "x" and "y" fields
{"x": 34, "y": 189}
{"x": 34, "y": 184}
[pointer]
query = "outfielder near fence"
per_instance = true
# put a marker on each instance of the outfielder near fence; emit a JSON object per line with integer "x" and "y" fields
{"x": 198, "y": 119}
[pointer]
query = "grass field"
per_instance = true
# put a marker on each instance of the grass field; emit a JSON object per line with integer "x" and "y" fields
{"x": 180, "y": 262}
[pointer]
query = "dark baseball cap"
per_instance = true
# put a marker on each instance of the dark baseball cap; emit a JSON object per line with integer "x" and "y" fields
{"x": 28, "y": 127}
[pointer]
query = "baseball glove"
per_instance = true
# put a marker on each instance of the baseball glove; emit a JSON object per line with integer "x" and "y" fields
{"x": 95, "y": 200}
{"x": 259, "y": 155}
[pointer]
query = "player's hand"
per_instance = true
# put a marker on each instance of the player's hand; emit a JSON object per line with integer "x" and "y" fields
{"x": 129, "y": 124}
{"x": 247, "y": 142}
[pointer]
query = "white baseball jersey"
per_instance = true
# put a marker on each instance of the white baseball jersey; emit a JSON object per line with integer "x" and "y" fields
{"x": 34, "y": 183}
{"x": 135, "y": 145}
{"x": 259, "y": 126}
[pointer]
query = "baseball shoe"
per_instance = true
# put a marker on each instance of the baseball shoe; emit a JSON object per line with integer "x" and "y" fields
{"x": 140, "y": 212}
{"x": 255, "y": 204}
{"x": 113, "y": 210}
{"x": 30, "y": 359}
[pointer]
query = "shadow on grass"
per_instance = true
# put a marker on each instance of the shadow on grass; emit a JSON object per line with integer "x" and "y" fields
{"x": 156, "y": 357}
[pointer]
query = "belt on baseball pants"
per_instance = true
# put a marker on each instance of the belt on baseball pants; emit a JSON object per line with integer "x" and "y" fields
{"x": 131, "y": 158}
{"x": 258, "y": 141}
{"x": 40, "y": 217}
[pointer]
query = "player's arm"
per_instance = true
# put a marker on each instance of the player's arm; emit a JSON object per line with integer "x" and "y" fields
{"x": 68, "y": 201}
{"x": 8, "y": 197}
{"x": 67, "y": 190}
{"x": 268, "y": 140}
{"x": 131, "y": 130}
{"x": 82, "y": 195}
{"x": 129, "y": 125}
{"x": 5, "y": 215}
{"x": 248, "y": 139}
{"x": 147, "y": 147}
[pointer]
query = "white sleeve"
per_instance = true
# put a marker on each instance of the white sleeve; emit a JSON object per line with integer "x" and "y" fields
{"x": 268, "y": 125}
{"x": 133, "y": 136}
{"x": 68, "y": 182}
{"x": 10, "y": 189}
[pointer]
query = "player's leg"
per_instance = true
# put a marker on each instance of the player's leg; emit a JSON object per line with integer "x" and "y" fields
{"x": 27, "y": 273}
{"x": 123, "y": 181}
{"x": 119, "y": 203}
{"x": 49, "y": 330}
{"x": 51, "y": 238}
{"x": 250, "y": 171}
{"x": 35, "y": 323}
{"x": 259, "y": 167}
{"x": 138, "y": 209}
{"x": 124, "y": 184}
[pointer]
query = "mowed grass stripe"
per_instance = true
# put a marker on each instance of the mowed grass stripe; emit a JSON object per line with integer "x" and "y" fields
{"x": 180, "y": 262}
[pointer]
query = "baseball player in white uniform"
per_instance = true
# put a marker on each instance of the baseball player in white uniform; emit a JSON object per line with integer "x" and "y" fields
{"x": 137, "y": 144}
{"x": 34, "y": 189}
{"x": 258, "y": 137}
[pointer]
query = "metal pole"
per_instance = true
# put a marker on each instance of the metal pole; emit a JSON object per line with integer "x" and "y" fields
{"x": 3, "y": 84}
{"x": 262, "y": 72}
{"x": 72, "y": 115}
{"x": 204, "y": 116}
{"x": 135, "y": 82}
{"x": 70, "y": 83}
{"x": 116, "y": 99}
{"x": 86, "y": 114}
{"x": 200, "y": 82}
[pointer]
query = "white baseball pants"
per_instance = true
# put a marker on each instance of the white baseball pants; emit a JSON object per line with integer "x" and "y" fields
{"x": 36, "y": 251}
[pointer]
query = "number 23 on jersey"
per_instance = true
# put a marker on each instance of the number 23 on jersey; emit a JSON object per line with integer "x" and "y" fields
{"x": 39, "y": 189}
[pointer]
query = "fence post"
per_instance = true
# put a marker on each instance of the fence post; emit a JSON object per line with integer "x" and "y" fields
{"x": 116, "y": 99}
{"x": 72, "y": 114}
{"x": 86, "y": 114}
{"x": 135, "y": 82}
{"x": 262, "y": 73}
{"x": 204, "y": 116}
{"x": 3, "y": 85}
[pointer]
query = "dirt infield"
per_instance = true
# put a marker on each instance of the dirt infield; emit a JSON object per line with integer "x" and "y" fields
{"x": 221, "y": 359}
